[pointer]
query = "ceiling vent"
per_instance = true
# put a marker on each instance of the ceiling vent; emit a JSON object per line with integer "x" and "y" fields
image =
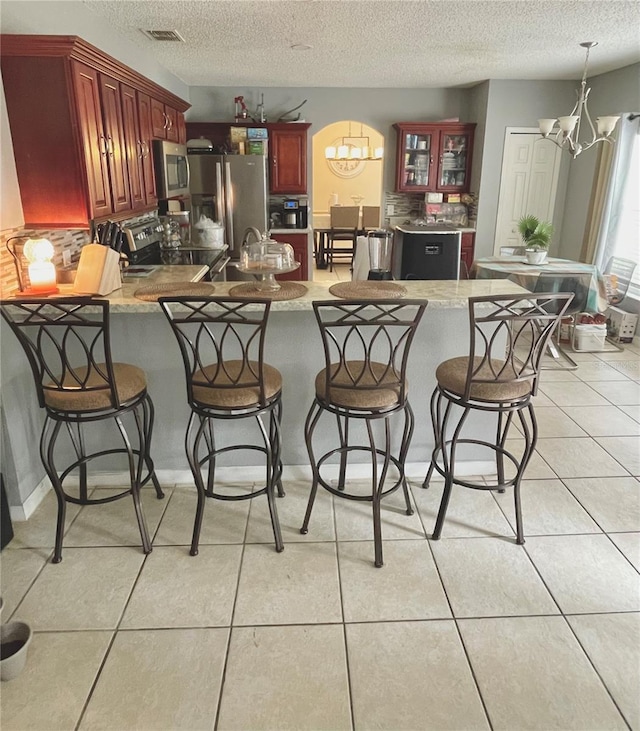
{"x": 164, "y": 35}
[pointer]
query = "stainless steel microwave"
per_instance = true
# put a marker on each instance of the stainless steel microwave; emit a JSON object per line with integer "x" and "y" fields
{"x": 172, "y": 169}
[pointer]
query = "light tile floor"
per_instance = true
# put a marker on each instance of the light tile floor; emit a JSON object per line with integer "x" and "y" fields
{"x": 469, "y": 632}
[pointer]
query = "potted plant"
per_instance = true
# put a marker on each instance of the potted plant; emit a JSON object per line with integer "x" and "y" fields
{"x": 536, "y": 236}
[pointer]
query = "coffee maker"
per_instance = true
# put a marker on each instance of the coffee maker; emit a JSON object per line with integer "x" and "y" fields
{"x": 295, "y": 212}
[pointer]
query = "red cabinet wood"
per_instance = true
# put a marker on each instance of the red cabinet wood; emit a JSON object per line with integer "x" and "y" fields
{"x": 467, "y": 248}
{"x": 433, "y": 157}
{"x": 94, "y": 142}
{"x": 116, "y": 156}
{"x": 76, "y": 137}
{"x": 300, "y": 243}
{"x": 167, "y": 123}
{"x": 288, "y": 158}
{"x": 133, "y": 145}
{"x": 287, "y": 150}
{"x": 146, "y": 135}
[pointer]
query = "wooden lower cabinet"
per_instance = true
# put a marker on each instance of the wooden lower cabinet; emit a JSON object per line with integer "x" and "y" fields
{"x": 300, "y": 243}
{"x": 467, "y": 248}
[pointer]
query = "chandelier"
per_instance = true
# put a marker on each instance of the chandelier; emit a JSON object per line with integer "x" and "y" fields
{"x": 567, "y": 136}
{"x": 353, "y": 148}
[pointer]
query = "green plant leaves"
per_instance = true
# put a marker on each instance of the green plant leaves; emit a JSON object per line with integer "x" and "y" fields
{"x": 535, "y": 233}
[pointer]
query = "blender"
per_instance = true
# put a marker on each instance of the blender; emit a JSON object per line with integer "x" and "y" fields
{"x": 380, "y": 244}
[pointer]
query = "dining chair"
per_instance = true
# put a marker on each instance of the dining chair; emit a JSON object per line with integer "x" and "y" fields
{"x": 508, "y": 335}
{"x": 343, "y": 227}
{"x": 222, "y": 341}
{"x": 370, "y": 217}
{"x": 67, "y": 343}
{"x": 366, "y": 347}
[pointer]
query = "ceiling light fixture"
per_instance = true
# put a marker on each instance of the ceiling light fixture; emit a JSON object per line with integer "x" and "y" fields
{"x": 354, "y": 148}
{"x": 567, "y": 136}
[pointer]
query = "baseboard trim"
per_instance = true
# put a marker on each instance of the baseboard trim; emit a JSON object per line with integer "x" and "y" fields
{"x": 253, "y": 473}
{"x": 20, "y": 513}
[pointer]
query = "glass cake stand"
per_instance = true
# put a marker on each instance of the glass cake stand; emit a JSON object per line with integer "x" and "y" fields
{"x": 267, "y": 281}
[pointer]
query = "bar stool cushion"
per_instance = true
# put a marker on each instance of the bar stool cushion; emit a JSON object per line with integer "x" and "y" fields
{"x": 129, "y": 379}
{"x": 452, "y": 376}
{"x": 360, "y": 396}
{"x": 240, "y": 396}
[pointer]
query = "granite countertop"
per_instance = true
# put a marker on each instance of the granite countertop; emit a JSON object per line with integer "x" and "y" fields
{"x": 441, "y": 294}
{"x": 290, "y": 230}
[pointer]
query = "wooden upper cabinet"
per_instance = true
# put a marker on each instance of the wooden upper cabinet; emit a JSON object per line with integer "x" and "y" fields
{"x": 167, "y": 123}
{"x": 158, "y": 120}
{"x": 133, "y": 145}
{"x": 116, "y": 155}
{"x": 287, "y": 145}
{"x": 288, "y": 158}
{"x": 81, "y": 124}
{"x": 146, "y": 135}
{"x": 433, "y": 157}
{"x": 94, "y": 142}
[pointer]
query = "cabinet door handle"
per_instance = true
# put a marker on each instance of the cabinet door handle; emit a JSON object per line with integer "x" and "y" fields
{"x": 110, "y": 145}
{"x": 104, "y": 149}
{"x": 169, "y": 123}
{"x": 145, "y": 149}
{"x": 166, "y": 121}
{"x": 140, "y": 148}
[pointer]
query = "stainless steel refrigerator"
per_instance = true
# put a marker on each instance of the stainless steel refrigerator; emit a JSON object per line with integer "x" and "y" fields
{"x": 230, "y": 189}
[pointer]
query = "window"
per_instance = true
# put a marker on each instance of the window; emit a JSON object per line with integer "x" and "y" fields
{"x": 623, "y": 230}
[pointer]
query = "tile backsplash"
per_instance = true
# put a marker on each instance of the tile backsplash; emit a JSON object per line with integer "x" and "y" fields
{"x": 71, "y": 240}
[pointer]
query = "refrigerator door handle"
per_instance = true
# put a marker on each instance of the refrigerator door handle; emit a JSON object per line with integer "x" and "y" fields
{"x": 220, "y": 196}
{"x": 228, "y": 193}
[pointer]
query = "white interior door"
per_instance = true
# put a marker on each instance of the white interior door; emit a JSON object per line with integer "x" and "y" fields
{"x": 528, "y": 185}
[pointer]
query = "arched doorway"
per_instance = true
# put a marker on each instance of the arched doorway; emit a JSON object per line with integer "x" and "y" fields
{"x": 347, "y": 182}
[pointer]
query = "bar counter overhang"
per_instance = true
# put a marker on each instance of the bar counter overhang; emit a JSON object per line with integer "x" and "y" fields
{"x": 141, "y": 335}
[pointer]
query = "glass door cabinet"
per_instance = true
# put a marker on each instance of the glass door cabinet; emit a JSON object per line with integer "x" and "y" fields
{"x": 433, "y": 157}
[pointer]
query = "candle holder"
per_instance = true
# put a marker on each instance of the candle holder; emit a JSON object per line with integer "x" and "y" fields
{"x": 33, "y": 256}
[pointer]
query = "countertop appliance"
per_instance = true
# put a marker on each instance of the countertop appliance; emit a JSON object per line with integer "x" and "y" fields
{"x": 422, "y": 254}
{"x": 232, "y": 190}
{"x": 172, "y": 169}
{"x": 142, "y": 248}
{"x": 295, "y": 213}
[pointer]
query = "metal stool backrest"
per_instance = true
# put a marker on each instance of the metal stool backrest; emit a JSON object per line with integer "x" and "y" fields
{"x": 524, "y": 323}
{"x": 67, "y": 343}
{"x": 513, "y": 250}
{"x": 370, "y": 216}
{"x": 356, "y": 334}
{"x": 211, "y": 331}
{"x": 345, "y": 217}
{"x": 623, "y": 270}
{"x": 578, "y": 283}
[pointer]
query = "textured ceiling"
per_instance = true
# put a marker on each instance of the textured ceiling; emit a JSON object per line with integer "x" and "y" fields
{"x": 379, "y": 43}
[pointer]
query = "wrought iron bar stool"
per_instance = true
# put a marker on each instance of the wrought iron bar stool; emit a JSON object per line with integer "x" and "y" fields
{"x": 366, "y": 348}
{"x": 67, "y": 344}
{"x": 500, "y": 376}
{"x": 222, "y": 344}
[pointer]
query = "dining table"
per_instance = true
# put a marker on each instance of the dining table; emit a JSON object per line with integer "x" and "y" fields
{"x": 518, "y": 270}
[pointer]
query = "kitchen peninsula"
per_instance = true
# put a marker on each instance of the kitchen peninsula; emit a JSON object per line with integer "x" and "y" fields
{"x": 140, "y": 335}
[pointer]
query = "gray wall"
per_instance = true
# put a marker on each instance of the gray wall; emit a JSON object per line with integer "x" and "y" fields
{"x": 612, "y": 93}
{"x": 379, "y": 108}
